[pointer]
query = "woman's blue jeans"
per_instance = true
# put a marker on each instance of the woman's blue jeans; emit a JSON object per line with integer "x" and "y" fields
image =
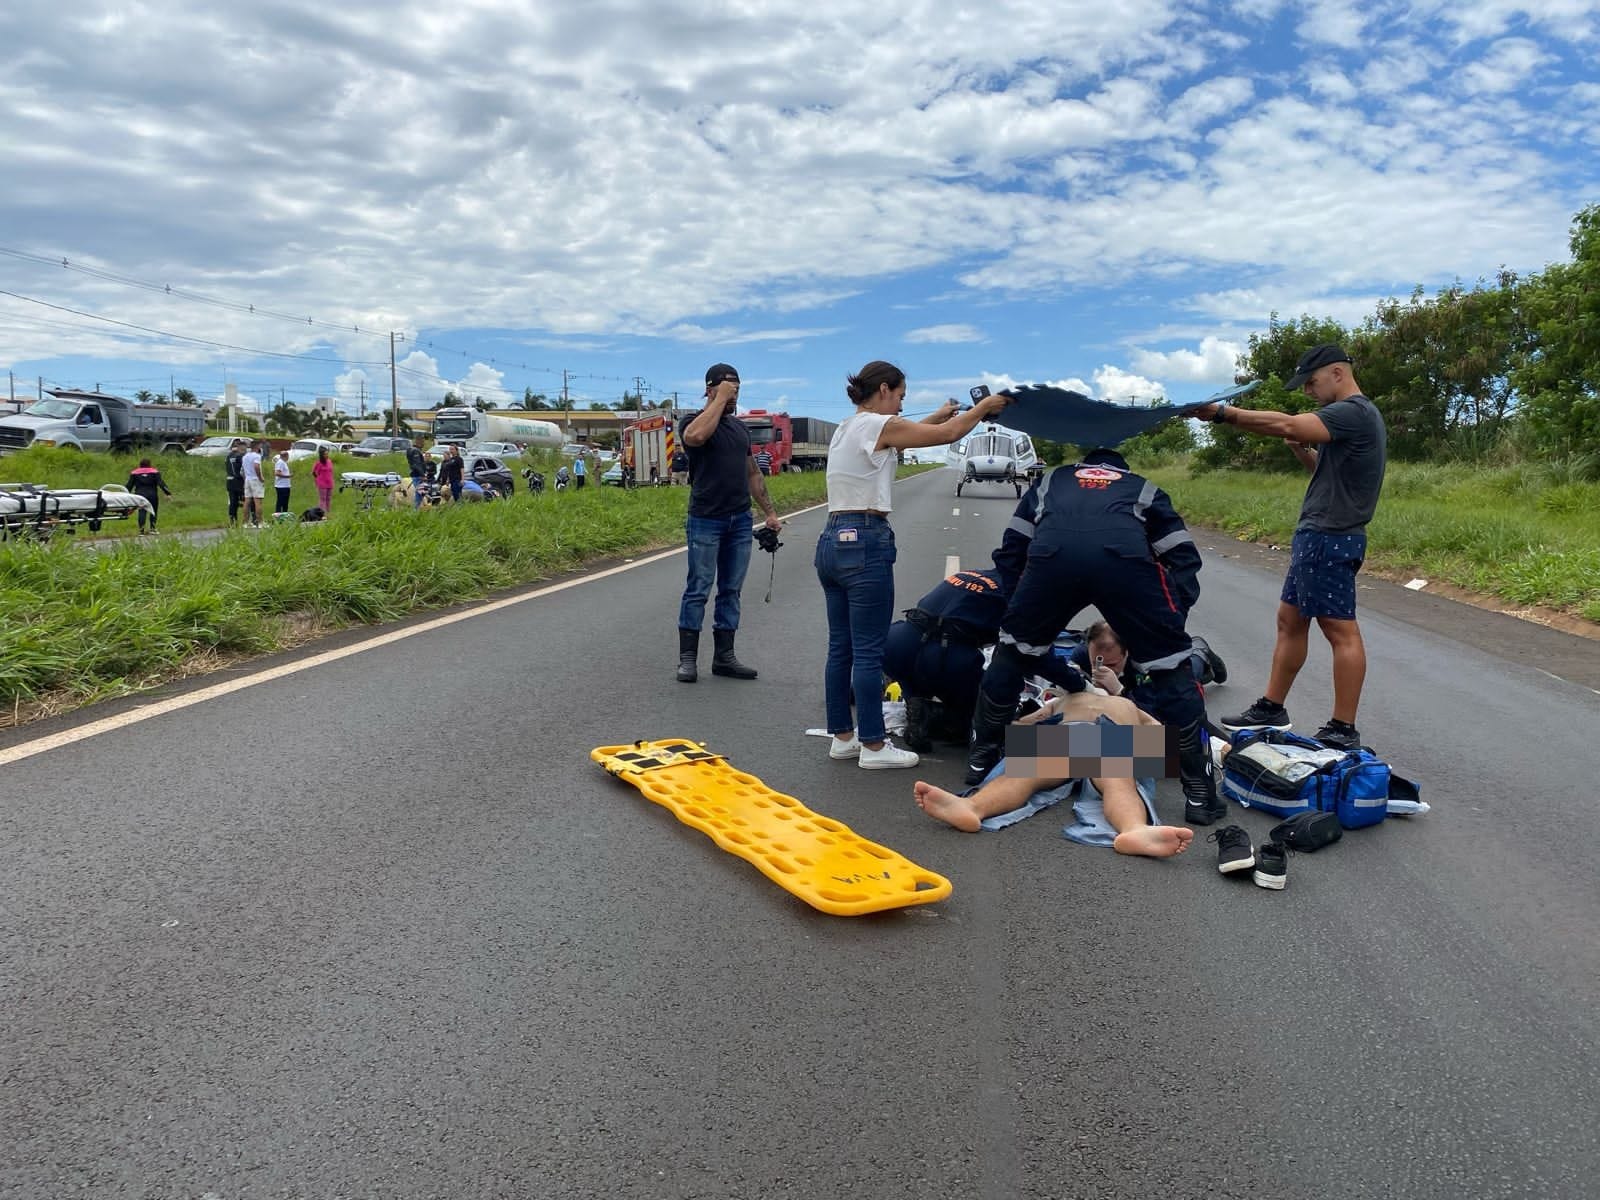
{"x": 719, "y": 550}
{"x": 855, "y": 564}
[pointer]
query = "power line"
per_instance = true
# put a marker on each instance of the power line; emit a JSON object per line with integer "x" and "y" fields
{"x": 183, "y": 337}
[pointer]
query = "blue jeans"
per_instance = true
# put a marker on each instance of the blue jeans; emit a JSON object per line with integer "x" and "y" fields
{"x": 416, "y": 491}
{"x": 855, "y": 564}
{"x": 719, "y": 549}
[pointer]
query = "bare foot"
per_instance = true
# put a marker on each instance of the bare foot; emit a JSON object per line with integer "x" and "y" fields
{"x": 948, "y": 807}
{"x": 1154, "y": 841}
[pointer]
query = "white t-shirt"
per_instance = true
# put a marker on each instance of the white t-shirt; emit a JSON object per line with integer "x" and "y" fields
{"x": 251, "y": 466}
{"x": 280, "y": 472}
{"x": 858, "y": 475}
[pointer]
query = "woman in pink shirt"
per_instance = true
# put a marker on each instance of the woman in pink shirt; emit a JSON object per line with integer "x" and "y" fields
{"x": 322, "y": 476}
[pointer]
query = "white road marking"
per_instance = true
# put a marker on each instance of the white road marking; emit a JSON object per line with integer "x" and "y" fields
{"x": 952, "y": 564}
{"x": 955, "y": 512}
{"x": 79, "y": 733}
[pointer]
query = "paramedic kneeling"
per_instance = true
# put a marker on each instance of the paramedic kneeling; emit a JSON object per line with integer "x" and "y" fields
{"x": 1120, "y": 797}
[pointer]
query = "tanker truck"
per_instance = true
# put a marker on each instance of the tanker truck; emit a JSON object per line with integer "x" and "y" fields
{"x": 96, "y": 421}
{"x": 466, "y": 426}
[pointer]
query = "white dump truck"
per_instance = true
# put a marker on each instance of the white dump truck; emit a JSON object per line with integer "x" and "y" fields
{"x": 96, "y": 421}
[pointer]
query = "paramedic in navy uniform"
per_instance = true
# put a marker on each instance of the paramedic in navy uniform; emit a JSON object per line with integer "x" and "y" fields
{"x": 937, "y": 651}
{"x": 1093, "y": 532}
{"x": 722, "y": 479}
{"x": 1345, "y": 447}
{"x": 856, "y": 552}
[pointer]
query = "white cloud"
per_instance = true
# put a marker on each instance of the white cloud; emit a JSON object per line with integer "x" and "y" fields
{"x": 1506, "y": 66}
{"x": 1213, "y": 362}
{"x": 1113, "y": 383}
{"x": 950, "y": 334}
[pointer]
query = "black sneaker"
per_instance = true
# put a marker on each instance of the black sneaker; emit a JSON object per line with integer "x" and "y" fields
{"x": 1234, "y": 852}
{"x": 1263, "y": 714}
{"x": 1339, "y": 735}
{"x": 1272, "y": 866}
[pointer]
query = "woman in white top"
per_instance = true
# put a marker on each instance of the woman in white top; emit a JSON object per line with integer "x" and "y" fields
{"x": 855, "y": 555}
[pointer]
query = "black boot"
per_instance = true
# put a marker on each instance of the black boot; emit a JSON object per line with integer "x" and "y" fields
{"x": 988, "y": 745}
{"x": 688, "y": 651}
{"x": 1201, "y": 804}
{"x": 723, "y": 661}
{"x": 918, "y": 714}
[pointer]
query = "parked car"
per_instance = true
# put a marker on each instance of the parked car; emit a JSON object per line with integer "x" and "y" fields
{"x": 370, "y": 446}
{"x": 613, "y": 475}
{"x": 498, "y": 449}
{"x": 489, "y": 471}
{"x": 216, "y": 447}
{"x": 308, "y": 447}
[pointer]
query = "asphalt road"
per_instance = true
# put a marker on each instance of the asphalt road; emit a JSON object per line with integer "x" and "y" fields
{"x": 382, "y": 929}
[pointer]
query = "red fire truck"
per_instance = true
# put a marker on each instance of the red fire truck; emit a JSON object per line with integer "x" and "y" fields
{"x": 647, "y": 447}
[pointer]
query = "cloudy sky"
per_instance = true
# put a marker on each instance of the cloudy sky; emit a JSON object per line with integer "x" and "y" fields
{"x": 1116, "y": 194}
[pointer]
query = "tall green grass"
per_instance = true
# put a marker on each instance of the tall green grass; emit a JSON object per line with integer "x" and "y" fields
{"x": 1528, "y": 533}
{"x": 76, "y": 625}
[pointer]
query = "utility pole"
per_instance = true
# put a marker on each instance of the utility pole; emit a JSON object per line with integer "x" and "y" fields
{"x": 638, "y": 393}
{"x": 363, "y": 399}
{"x": 394, "y": 387}
{"x": 565, "y": 407}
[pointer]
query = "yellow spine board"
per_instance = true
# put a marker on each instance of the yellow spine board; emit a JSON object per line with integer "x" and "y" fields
{"x": 823, "y": 861}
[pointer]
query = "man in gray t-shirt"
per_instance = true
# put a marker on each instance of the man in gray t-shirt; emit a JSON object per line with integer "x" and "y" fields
{"x": 1345, "y": 447}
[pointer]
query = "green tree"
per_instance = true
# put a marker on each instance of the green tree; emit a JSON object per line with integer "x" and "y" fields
{"x": 1558, "y": 376}
{"x": 286, "y": 419}
{"x": 1271, "y": 358}
{"x": 533, "y": 401}
{"x": 144, "y": 396}
{"x": 1161, "y": 444}
{"x": 185, "y": 396}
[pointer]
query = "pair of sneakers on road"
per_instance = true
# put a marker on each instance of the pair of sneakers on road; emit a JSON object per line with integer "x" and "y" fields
{"x": 1269, "y": 862}
{"x": 885, "y": 757}
{"x": 1269, "y": 714}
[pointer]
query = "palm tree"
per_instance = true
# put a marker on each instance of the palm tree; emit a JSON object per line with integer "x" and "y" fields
{"x": 184, "y": 396}
{"x": 288, "y": 419}
{"x": 144, "y": 396}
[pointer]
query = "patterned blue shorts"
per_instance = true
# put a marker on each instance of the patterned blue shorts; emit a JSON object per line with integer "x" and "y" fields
{"x": 1322, "y": 573}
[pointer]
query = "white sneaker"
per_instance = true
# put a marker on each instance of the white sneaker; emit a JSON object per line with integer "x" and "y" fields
{"x": 843, "y": 750}
{"x": 889, "y": 756}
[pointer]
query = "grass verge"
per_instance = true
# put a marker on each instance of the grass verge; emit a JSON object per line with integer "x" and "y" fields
{"x": 79, "y": 626}
{"x": 1528, "y": 534}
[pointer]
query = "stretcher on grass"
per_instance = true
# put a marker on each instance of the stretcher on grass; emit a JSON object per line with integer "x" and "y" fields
{"x": 34, "y": 511}
{"x": 822, "y": 861}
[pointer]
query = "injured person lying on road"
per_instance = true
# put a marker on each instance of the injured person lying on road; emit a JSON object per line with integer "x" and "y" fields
{"x": 1124, "y": 807}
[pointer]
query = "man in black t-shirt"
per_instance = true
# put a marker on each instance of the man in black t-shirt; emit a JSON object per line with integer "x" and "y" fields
{"x": 233, "y": 473}
{"x": 722, "y": 479}
{"x": 1345, "y": 447}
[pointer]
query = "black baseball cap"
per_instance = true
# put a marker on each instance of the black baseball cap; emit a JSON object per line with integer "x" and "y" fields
{"x": 718, "y": 372}
{"x": 1313, "y": 360}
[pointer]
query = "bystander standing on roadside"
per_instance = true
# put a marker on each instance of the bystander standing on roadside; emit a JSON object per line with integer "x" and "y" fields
{"x": 322, "y": 476}
{"x": 764, "y": 460}
{"x": 417, "y": 464}
{"x": 255, "y": 484}
{"x": 145, "y": 480}
{"x": 281, "y": 481}
{"x": 579, "y": 470}
{"x": 722, "y": 481}
{"x": 856, "y": 552}
{"x": 1344, "y": 445}
{"x": 233, "y": 473}
{"x": 680, "y": 466}
{"x": 451, "y": 470}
